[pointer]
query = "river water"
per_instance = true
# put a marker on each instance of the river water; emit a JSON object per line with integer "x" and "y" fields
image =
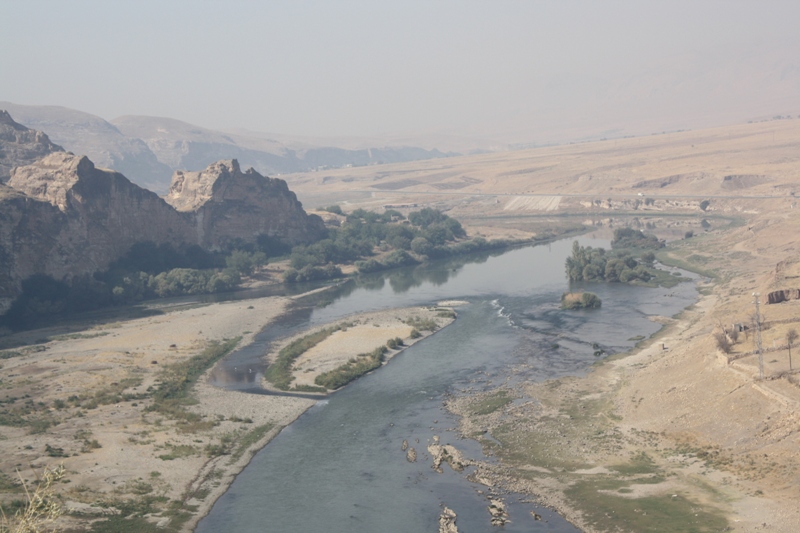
{"x": 340, "y": 468}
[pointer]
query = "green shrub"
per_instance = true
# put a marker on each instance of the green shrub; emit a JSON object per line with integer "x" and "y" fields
{"x": 422, "y": 324}
{"x": 582, "y": 300}
{"x": 353, "y": 369}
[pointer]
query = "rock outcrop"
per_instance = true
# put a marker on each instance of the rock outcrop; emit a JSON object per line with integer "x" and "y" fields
{"x": 447, "y": 521}
{"x": 64, "y": 218}
{"x": 227, "y": 205}
{"x": 776, "y": 297}
{"x": 20, "y": 145}
{"x": 446, "y": 454}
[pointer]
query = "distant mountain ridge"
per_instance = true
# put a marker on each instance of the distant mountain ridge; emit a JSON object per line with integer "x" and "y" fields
{"x": 20, "y": 145}
{"x": 149, "y": 149}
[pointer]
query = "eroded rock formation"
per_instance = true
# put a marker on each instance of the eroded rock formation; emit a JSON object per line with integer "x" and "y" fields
{"x": 446, "y": 454}
{"x": 776, "y": 297}
{"x": 229, "y": 204}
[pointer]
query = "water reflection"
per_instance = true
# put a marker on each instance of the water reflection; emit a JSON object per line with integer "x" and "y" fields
{"x": 436, "y": 273}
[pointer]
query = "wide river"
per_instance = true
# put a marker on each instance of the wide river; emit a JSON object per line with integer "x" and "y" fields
{"x": 340, "y": 468}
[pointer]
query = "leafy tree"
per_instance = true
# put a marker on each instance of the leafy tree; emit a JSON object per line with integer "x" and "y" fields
{"x": 425, "y": 217}
{"x": 272, "y": 246}
{"x": 593, "y": 264}
{"x": 399, "y": 258}
{"x": 633, "y": 238}
{"x": 245, "y": 262}
{"x": 421, "y": 246}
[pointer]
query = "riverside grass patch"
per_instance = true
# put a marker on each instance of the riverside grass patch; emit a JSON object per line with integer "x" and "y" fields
{"x": 604, "y": 505}
{"x": 353, "y": 369}
{"x": 173, "y": 393}
{"x": 491, "y": 403}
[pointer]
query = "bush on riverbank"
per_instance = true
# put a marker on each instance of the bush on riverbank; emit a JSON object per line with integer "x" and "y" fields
{"x": 427, "y": 233}
{"x": 422, "y": 324}
{"x": 146, "y": 271}
{"x": 634, "y": 238}
{"x": 353, "y": 369}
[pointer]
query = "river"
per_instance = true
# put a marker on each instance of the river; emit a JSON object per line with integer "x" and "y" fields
{"x": 340, "y": 468}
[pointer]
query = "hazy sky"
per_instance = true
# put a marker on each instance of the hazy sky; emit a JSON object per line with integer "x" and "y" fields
{"x": 501, "y": 67}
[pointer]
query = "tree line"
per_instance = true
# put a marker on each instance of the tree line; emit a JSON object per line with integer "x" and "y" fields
{"x": 149, "y": 271}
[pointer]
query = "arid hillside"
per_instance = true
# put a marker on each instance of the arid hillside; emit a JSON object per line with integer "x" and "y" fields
{"x": 731, "y": 162}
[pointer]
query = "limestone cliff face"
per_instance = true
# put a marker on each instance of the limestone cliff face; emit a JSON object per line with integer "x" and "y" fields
{"x": 228, "y": 205}
{"x": 27, "y": 237}
{"x": 20, "y": 145}
{"x": 65, "y": 218}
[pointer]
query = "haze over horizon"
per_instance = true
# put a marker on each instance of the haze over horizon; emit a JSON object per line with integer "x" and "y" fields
{"x": 516, "y": 72}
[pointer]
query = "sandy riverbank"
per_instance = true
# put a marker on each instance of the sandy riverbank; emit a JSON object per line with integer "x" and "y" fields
{"x": 91, "y": 391}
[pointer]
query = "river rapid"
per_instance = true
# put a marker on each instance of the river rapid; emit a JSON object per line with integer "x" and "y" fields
{"x": 340, "y": 468}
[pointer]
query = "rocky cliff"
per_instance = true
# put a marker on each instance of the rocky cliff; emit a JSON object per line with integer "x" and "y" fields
{"x": 63, "y": 217}
{"x": 229, "y": 205}
{"x": 20, "y": 145}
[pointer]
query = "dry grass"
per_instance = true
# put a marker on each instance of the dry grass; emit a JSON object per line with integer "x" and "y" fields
{"x": 42, "y": 508}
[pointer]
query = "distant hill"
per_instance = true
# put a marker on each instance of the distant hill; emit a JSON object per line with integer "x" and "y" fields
{"x": 149, "y": 149}
{"x": 87, "y": 134}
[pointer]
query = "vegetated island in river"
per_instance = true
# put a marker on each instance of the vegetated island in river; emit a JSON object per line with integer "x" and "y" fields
{"x": 329, "y": 357}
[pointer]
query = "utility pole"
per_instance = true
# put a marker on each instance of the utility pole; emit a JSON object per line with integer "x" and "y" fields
{"x": 759, "y": 347}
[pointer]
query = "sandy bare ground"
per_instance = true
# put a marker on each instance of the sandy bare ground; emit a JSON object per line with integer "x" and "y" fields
{"x": 686, "y": 430}
{"x": 137, "y": 453}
